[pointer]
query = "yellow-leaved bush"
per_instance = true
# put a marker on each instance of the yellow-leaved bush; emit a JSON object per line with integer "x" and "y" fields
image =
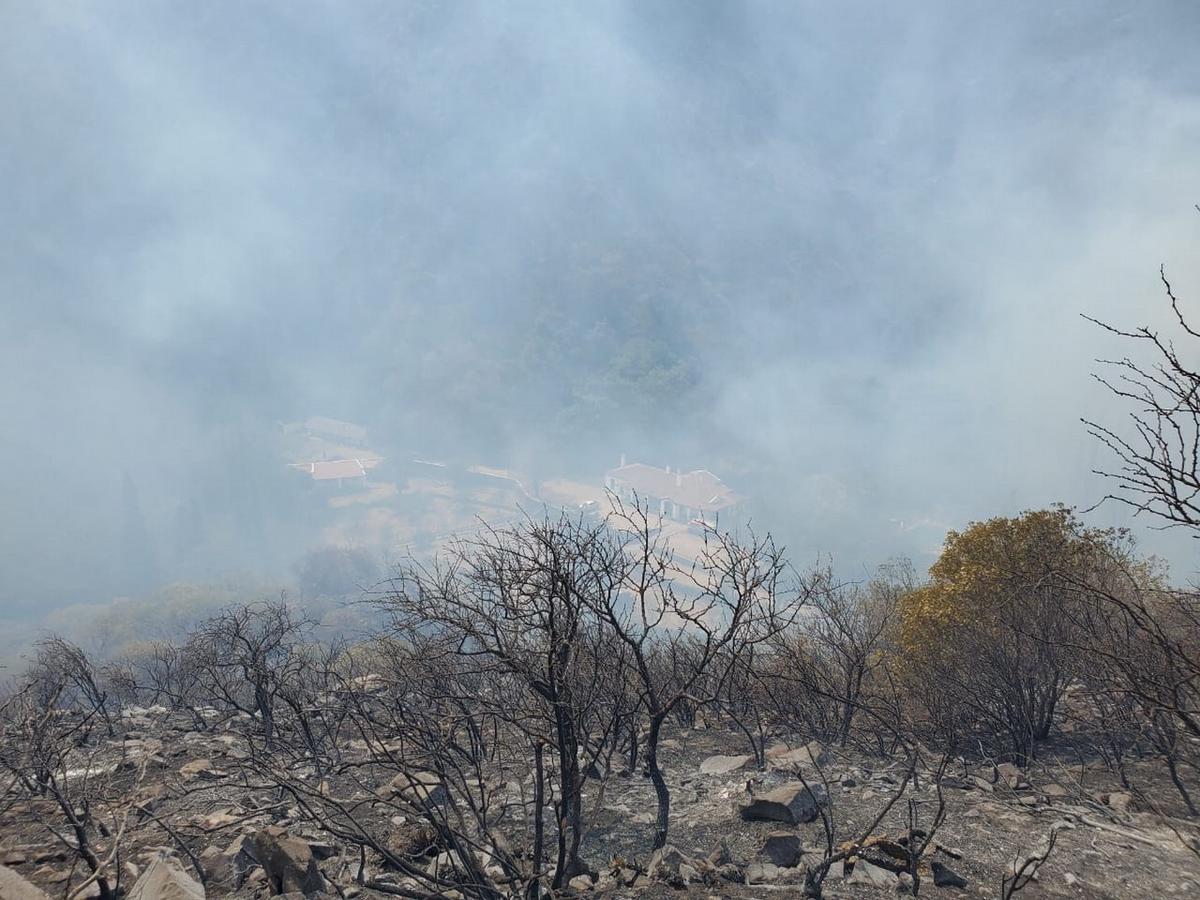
{"x": 990, "y": 633}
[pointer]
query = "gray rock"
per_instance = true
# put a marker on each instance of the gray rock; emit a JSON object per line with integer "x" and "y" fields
{"x": 672, "y": 866}
{"x": 199, "y": 768}
{"x": 763, "y": 873}
{"x": 723, "y": 765}
{"x": 810, "y": 756}
{"x": 422, "y": 789}
{"x": 944, "y": 876}
{"x": 783, "y": 849}
{"x": 166, "y": 879}
{"x": 1119, "y": 801}
{"x": 14, "y": 886}
{"x": 1011, "y": 775}
{"x": 792, "y": 804}
{"x": 869, "y": 873}
{"x": 288, "y": 862}
{"x": 229, "y": 867}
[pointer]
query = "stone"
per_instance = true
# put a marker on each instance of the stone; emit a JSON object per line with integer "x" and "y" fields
{"x": 1055, "y": 790}
{"x": 952, "y": 852}
{"x": 48, "y": 854}
{"x": 723, "y": 765}
{"x": 869, "y": 873}
{"x": 288, "y": 862}
{"x": 672, "y": 866}
{"x": 792, "y": 804}
{"x": 580, "y": 883}
{"x": 809, "y": 756}
{"x": 230, "y": 867}
{"x": 1119, "y": 801}
{"x": 199, "y": 768}
{"x": 165, "y": 879}
{"x": 322, "y": 850}
{"x": 1011, "y": 775}
{"x": 219, "y": 819}
{"x": 944, "y": 876}
{"x": 14, "y": 886}
{"x": 422, "y": 789}
{"x": 783, "y": 849}
{"x": 762, "y": 873}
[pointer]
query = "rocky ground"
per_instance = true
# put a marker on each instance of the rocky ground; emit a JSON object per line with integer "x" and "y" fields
{"x": 249, "y": 843}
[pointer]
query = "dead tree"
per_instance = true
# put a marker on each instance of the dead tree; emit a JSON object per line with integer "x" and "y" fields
{"x": 1158, "y": 457}
{"x": 522, "y": 602}
{"x": 687, "y": 625}
{"x": 49, "y": 759}
{"x": 63, "y": 668}
{"x": 245, "y": 654}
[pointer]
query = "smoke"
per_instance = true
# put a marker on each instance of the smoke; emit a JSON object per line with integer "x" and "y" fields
{"x": 836, "y": 254}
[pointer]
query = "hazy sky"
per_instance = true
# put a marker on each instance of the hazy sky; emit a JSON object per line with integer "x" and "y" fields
{"x": 874, "y": 226}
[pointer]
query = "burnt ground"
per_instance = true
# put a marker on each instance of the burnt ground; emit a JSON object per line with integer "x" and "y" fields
{"x": 1108, "y": 843}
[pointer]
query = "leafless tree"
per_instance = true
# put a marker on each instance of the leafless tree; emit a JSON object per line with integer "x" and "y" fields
{"x": 833, "y": 663}
{"x": 64, "y": 669}
{"x": 245, "y": 654}
{"x": 522, "y": 602}
{"x": 1141, "y": 639}
{"x": 687, "y": 625}
{"x": 49, "y": 757}
{"x": 1158, "y": 471}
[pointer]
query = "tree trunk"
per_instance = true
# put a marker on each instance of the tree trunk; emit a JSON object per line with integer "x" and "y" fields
{"x": 539, "y": 821}
{"x": 660, "y": 785}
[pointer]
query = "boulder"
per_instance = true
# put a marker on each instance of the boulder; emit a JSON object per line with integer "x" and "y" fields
{"x": 287, "y": 861}
{"x": 869, "y": 873}
{"x": 1119, "y": 801}
{"x": 422, "y": 789}
{"x": 944, "y": 876}
{"x": 229, "y": 867}
{"x": 199, "y": 768}
{"x": 810, "y": 756}
{"x": 14, "y": 886}
{"x": 166, "y": 879}
{"x": 783, "y": 849}
{"x": 672, "y": 866}
{"x": 792, "y": 804}
{"x": 1011, "y": 775}
{"x": 723, "y": 765}
{"x": 763, "y": 873}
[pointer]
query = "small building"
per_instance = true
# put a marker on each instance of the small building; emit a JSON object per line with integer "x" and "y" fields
{"x": 682, "y": 496}
{"x": 339, "y": 470}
